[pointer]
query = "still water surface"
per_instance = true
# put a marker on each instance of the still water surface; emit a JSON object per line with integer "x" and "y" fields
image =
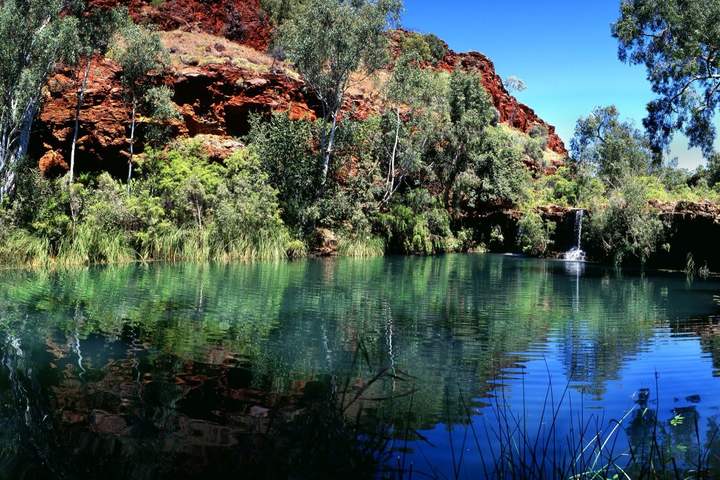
{"x": 171, "y": 371}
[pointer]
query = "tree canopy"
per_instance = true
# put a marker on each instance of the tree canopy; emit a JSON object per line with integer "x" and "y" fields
{"x": 678, "y": 41}
{"x": 328, "y": 41}
{"x": 611, "y": 148}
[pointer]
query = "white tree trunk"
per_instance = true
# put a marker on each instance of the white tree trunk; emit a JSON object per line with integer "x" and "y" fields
{"x": 132, "y": 143}
{"x": 393, "y": 156}
{"x": 14, "y": 147}
{"x": 80, "y": 97}
{"x": 329, "y": 149}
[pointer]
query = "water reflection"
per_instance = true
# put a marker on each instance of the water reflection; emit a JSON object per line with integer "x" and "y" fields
{"x": 178, "y": 371}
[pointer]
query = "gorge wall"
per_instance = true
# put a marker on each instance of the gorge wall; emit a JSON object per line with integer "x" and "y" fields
{"x": 221, "y": 74}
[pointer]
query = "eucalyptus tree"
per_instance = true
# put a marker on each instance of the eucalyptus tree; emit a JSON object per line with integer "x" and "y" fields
{"x": 609, "y": 147}
{"x": 678, "y": 41}
{"x": 470, "y": 112}
{"x": 34, "y": 37}
{"x": 96, "y": 28}
{"x": 140, "y": 53}
{"x": 329, "y": 40}
{"x": 416, "y": 100}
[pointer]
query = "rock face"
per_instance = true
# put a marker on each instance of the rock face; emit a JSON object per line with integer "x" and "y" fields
{"x": 221, "y": 75}
{"x": 686, "y": 224}
{"x": 215, "y": 98}
{"x": 242, "y": 21}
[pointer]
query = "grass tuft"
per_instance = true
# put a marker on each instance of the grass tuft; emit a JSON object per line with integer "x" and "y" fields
{"x": 361, "y": 247}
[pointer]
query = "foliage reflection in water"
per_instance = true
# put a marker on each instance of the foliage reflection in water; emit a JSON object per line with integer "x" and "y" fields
{"x": 177, "y": 371}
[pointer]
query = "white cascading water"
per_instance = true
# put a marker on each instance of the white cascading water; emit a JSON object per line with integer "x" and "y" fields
{"x": 576, "y": 254}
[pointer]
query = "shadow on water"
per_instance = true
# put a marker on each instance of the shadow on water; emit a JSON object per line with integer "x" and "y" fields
{"x": 453, "y": 367}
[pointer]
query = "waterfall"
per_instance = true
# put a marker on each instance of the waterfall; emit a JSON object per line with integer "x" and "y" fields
{"x": 576, "y": 254}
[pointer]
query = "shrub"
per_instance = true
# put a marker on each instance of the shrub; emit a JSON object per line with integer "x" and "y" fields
{"x": 415, "y": 45}
{"x": 535, "y": 234}
{"x": 296, "y": 249}
{"x": 503, "y": 176}
{"x": 284, "y": 149}
{"x": 627, "y": 228}
{"x": 247, "y": 223}
{"x": 438, "y": 48}
{"x": 186, "y": 180}
{"x": 419, "y": 225}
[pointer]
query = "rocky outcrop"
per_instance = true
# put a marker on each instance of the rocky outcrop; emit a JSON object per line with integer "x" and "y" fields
{"x": 214, "y": 98}
{"x": 686, "y": 223}
{"x": 221, "y": 75}
{"x": 242, "y": 21}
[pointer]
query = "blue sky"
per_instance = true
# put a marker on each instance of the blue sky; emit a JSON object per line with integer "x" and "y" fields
{"x": 562, "y": 49}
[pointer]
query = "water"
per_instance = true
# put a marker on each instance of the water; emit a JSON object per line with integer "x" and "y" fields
{"x": 180, "y": 371}
{"x": 576, "y": 254}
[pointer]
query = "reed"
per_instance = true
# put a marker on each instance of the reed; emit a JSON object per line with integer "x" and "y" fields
{"x": 634, "y": 445}
{"x": 361, "y": 247}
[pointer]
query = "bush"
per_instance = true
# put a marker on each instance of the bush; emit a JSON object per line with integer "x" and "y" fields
{"x": 438, "y": 48}
{"x": 419, "y": 225}
{"x": 503, "y": 176}
{"x": 186, "y": 180}
{"x": 247, "y": 223}
{"x": 284, "y": 149}
{"x": 535, "y": 234}
{"x": 428, "y": 48}
{"x": 627, "y": 229}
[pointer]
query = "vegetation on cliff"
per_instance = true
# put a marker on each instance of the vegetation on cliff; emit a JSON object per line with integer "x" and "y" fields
{"x": 416, "y": 176}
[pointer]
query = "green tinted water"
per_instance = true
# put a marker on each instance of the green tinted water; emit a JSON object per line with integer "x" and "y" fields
{"x": 172, "y": 371}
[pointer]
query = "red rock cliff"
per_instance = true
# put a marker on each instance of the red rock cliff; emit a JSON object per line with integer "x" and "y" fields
{"x": 220, "y": 75}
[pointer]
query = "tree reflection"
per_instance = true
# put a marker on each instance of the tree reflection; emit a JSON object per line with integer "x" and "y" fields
{"x": 181, "y": 364}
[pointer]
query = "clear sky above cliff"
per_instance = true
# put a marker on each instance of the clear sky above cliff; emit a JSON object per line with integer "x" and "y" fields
{"x": 562, "y": 49}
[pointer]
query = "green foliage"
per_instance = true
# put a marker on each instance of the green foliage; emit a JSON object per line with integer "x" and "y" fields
{"x": 470, "y": 112}
{"x": 161, "y": 110}
{"x": 414, "y": 44}
{"x": 327, "y": 41}
{"x": 610, "y": 148}
{"x": 567, "y": 188}
{"x": 417, "y": 110}
{"x": 627, "y": 228}
{"x": 419, "y": 225}
{"x": 97, "y": 26}
{"x": 139, "y": 52}
{"x": 247, "y": 216}
{"x": 438, "y": 48}
{"x": 427, "y": 48}
{"x": 183, "y": 207}
{"x": 285, "y": 150}
{"x": 676, "y": 40}
{"x": 361, "y": 247}
{"x": 187, "y": 181}
{"x": 280, "y": 11}
{"x": 535, "y": 234}
{"x": 502, "y": 174}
